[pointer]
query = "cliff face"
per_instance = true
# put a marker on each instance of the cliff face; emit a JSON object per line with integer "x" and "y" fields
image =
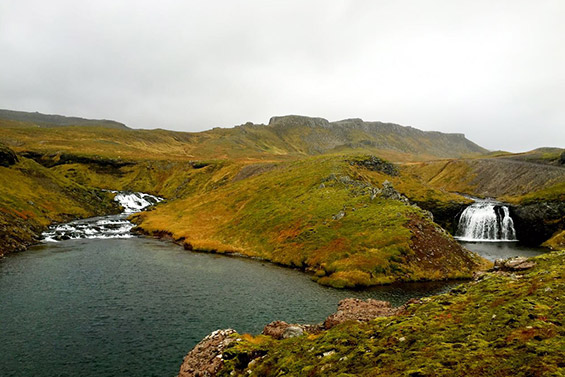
{"x": 322, "y": 136}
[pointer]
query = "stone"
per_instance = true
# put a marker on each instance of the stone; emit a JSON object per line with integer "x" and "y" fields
{"x": 206, "y": 358}
{"x": 513, "y": 264}
{"x": 292, "y": 331}
{"x": 340, "y": 215}
{"x": 353, "y": 309}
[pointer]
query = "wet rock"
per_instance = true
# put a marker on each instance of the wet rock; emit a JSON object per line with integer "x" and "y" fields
{"x": 7, "y": 156}
{"x": 206, "y": 359}
{"x": 536, "y": 222}
{"x": 513, "y": 264}
{"x": 353, "y": 309}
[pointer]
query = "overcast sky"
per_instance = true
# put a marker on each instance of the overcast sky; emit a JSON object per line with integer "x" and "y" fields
{"x": 494, "y": 70}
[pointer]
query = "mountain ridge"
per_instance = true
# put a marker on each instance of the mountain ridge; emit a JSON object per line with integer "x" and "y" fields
{"x": 284, "y": 136}
{"x": 55, "y": 120}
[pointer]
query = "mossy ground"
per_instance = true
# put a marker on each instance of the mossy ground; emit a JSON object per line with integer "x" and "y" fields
{"x": 503, "y": 325}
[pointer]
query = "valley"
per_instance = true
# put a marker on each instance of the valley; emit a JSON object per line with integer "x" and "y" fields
{"x": 347, "y": 204}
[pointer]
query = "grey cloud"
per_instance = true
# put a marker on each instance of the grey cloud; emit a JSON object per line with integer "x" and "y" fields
{"x": 492, "y": 70}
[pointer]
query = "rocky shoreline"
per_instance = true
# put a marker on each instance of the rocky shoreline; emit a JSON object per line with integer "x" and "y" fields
{"x": 208, "y": 356}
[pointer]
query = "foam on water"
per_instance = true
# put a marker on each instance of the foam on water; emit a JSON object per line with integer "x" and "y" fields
{"x": 114, "y": 226}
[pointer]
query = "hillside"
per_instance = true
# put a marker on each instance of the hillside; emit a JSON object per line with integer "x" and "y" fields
{"x": 339, "y": 217}
{"x": 509, "y": 177}
{"x": 33, "y": 197}
{"x": 22, "y": 118}
{"x": 284, "y": 137}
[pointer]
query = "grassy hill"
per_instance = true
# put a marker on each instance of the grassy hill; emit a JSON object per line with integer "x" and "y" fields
{"x": 334, "y": 215}
{"x": 509, "y": 177}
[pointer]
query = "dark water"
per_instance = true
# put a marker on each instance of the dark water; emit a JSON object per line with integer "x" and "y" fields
{"x": 136, "y": 306}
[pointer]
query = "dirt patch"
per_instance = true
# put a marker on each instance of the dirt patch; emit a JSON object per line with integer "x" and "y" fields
{"x": 249, "y": 171}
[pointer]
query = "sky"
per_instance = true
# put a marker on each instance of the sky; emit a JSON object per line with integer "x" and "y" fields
{"x": 493, "y": 70}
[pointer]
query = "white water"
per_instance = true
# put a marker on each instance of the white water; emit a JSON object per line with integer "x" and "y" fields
{"x": 114, "y": 226}
{"x": 486, "y": 221}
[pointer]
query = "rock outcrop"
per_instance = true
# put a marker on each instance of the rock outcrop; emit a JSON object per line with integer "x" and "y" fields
{"x": 7, "y": 156}
{"x": 205, "y": 360}
{"x": 537, "y": 222}
{"x": 207, "y": 357}
{"x": 514, "y": 264}
{"x": 354, "y": 309}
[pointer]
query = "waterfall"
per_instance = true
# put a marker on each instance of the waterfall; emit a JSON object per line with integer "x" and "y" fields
{"x": 486, "y": 220}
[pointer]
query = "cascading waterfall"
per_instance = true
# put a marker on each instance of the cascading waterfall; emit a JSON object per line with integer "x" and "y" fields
{"x": 113, "y": 226}
{"x": 486, "y": 220}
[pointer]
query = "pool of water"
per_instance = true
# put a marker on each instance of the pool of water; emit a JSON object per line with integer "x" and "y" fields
{"x": 135, "y": 307}
{"x": 502, "y": 250}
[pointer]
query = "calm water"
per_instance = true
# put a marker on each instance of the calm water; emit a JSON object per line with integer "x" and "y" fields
{"x": 502, "y": 250}
{"x": 136, "y": 306}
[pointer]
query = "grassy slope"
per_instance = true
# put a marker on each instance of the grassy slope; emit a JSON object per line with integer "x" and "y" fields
{"x": 286, "y": 215}
{"x": 503, "y": 325}
{"x": 32, "y": 197}
{"x": 506, "y": 178}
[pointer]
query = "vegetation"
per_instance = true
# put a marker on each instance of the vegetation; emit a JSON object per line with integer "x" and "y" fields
{"x": 32, "y": 197}
{"x": 506, "y": 324}
{"x": 323, "y": 214}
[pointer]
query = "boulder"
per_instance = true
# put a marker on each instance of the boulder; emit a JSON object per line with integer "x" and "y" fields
{"x": 282, "y": 330}
{"x": 206, "y": 359}
{"x": 513, "y": 264}
{"x": 353, "y": 309}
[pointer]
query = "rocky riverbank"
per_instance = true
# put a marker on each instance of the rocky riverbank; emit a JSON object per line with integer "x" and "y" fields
{"x": 505, "y": 322}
